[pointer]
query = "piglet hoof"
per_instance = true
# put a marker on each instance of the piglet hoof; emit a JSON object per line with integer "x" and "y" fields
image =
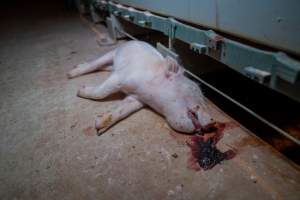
{"x": 99, "y": 128}
{"x": 70, "y": 75}
{"x": 103, "y": 123}
{"x": 77, "y": 70}
{"x": 73, "y": 73}
{"x": 85, "y": 92}
{"x": 81, "y": 91}
{"x": 101, "y": 131}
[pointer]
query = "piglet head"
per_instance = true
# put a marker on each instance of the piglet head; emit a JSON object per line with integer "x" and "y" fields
{"x": 202, "y": 121}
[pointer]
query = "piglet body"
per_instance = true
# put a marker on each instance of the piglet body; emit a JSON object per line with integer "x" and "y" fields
{"x": 147, "y": 78}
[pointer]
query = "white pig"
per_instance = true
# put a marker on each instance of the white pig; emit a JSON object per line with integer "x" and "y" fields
{"x": 147, "y": 78}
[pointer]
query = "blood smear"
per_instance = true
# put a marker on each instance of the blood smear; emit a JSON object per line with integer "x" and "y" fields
{"x": 204, "y": 152}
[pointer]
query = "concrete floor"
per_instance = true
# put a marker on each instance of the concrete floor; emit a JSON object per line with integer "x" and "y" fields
{"x": 48, "y": 149}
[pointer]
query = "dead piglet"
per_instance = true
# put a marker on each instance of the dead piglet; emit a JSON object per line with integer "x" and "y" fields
{"x": 147, "y": 78}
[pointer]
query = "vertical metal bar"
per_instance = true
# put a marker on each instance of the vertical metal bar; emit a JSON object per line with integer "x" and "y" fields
{"x": 170, "y": 43}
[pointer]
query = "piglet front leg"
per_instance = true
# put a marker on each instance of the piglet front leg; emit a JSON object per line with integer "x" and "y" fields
{"x": 108, "y": 87}
{"x": 128, "y": 106}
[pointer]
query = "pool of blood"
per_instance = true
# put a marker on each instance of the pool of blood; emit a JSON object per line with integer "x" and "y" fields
{"x": 204, "y": 152}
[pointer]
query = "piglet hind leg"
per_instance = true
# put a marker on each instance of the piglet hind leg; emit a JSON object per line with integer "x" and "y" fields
{"x": 128, "y": 106}
{"x": 92, "y": 66}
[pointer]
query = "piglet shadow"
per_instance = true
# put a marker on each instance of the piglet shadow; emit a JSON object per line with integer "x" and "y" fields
{"x": 113, "y": 97}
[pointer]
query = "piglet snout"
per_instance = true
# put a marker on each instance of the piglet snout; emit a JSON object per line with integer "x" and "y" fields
{"x": 202, "y": 121}
{"x": 205, "y": 120}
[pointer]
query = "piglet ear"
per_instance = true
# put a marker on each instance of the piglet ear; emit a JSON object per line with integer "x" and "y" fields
{"x": 172, "y": 64}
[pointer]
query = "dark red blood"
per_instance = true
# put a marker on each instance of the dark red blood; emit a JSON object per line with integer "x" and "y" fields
{"x": 204, "y": 152}
{"x": 194, "y": 119}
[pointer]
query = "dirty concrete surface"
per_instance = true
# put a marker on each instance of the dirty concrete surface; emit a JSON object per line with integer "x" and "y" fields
{"x": 48, "y": 147}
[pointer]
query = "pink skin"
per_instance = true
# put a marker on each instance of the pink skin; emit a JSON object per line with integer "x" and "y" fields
{"x": 147, "y": 78}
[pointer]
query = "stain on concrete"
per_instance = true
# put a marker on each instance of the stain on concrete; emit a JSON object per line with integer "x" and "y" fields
{"x": 89, "y": 131}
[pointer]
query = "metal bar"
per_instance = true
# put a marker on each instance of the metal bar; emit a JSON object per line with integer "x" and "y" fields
{"x": 127, "y": 34}
{"x": 276, "y": 128}
{"x": 236, "y": 55}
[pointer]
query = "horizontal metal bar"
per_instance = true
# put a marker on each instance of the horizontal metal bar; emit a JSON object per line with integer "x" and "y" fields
{"x": 251, "y": 112}
{"x": 127, "y": 35}
{"x": 283, "y": 69}
{"x": 232, "y": 53}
